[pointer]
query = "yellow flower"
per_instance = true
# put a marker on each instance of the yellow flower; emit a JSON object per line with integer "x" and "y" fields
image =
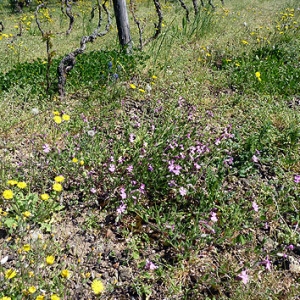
{"x": 142, "y": 91}
{"x": 26, "y": 214}
{"x": 5, "y": 298}
{"x": 132, "y": 86}
{"x": 44, "y": 197}
{"x": 66, "y": 117}
{"x": 12, "y": 182}
{"x": 30, "y": 274}
{"x": 245, "y": 42}
{"x": 59, "y": 178}
{"x": 81, "y": 162}
{"x": 257, "y": 74}
{"x": 97, "y": 286}
{"x": 154, "y": 77}
{"x": 8, "y": 194}
{"x": 50, "y": 260}
{"x": 75, "y": 160}
{"x": 65, "y": 273}
{"x": 54, "y": 297}
{"x": 26, "y": 248}
{"x": 57, "y": 119}
{"x": 21, "y": 185}
{"x": 56, "y": 113}
{"x": 40, "y": 297}
{"x": 10, "y": 273}
{"x": 32, "y": 290}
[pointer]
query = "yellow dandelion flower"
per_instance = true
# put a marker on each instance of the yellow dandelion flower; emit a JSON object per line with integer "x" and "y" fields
{"x": 81, "y": 162}
{"x": 54, "y": 297}
{"x": 26, "y": 248}
{"x": 57, "y": 187}
{"x": 10, "y": 274}
{"x": 5, "y": 298}
{"x": 57, "y": 119}
{"x": 56, "y": 113}
{"x": 50, "y": 260}
{"x": 26, "y": 214}
{"x": 12, "y": 182}
{"x": 142, "y": 91}
{"x": 132, "y": 86}
{"x": 30, "y": 274}
{"x": 65, "y": 273}
{"x": 45, "y": 196}
{"x": 59, "y": 179}
{"x": 97, "y": 286}
{"x": 154, "y": 77}
{"x": 32, "y": 290}
{"x": 257, "y": 74}
{"x": 40, "y": 297}
{"x": 245, "y": 42}
{"x": 65, "y": 117}
{"x": 21, "y": 185}
{"x": 8, "y": 194}
{"x": 74, "y": 160}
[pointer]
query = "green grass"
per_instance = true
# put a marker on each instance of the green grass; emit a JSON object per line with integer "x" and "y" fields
{"x": 179, "y": 173}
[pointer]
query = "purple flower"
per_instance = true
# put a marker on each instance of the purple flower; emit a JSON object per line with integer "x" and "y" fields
{"x": 255, "y": 206}
{"x": 84, "y": 118}
{"x": 121, "y": 208}
{"x": 150, "y": 168}
{"x": 174, "y": 168}
{"x": 112, "y": 168}
{"x": 123, "y": 193}
{"x": 130, "y": 168}
{"x": 213, "y": 217}
{"x": 182, "y": 191}
{"x": 172, "y": 183}
{"x": 115, "y": 76}
{"x": 228, "y": 162}
{"x": 244, "y": 277}
{"x": 255, "y": 159}
{"x": 93, "y": 190}
{"x": 267, "y": 263}
{"x": 150, "y": 265}
{"x": 297, "y": 179}
{"x": 290, "y": 247}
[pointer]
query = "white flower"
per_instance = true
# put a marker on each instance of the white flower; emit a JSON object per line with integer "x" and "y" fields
{"x": 35, "y": 111}
{"x": 4, "y": 260}
{"x": 91, "y": 133}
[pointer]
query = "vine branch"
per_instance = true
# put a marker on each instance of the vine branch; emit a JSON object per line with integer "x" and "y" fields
{"x": 68, "y": 62}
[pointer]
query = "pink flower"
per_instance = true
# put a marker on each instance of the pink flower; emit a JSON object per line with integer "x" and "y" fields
{"x": 121, "y": 208}
{"x": 182, "y": 191}
{"x": 46, "y": 148}
{"x": 255, "y": 206}
{"x": 244, "y": 277}
{"x": 267, "y": 263}
{"x": 150, "y": 265}
{"x": 213, "y": 217}
{"x": 297, "y": 179}
{"x": 123, "y": 193}
{"x": 255, "y": 158}
{"x": 112, "y": 168}
{"x": 130, "y": 168}
{"x": 131, "y": 138}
